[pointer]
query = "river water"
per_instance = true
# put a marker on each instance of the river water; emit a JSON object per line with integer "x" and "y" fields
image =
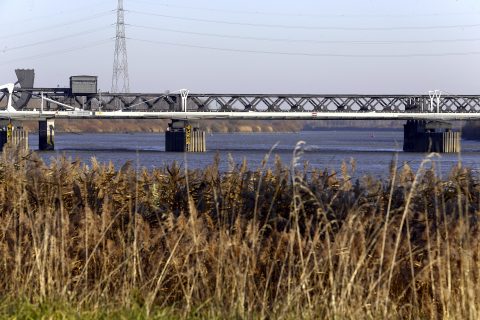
{"x": 372, "y": 149}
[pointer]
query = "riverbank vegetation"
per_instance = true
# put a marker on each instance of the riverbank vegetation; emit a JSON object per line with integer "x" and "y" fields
{"x": 290, "y": 241}
{"x": 159, "y": 126}
{"x": 220, "y": 126}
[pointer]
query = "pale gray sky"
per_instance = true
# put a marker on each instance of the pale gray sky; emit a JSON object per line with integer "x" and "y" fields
{"x": 303, "y": 46}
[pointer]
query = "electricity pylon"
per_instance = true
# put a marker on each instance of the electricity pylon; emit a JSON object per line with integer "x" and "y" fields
{"x": 120, "y": 80}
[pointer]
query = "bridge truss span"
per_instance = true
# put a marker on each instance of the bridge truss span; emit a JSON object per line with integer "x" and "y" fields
{"x": 148, "y": 105}
{"x": 333, "y": 103}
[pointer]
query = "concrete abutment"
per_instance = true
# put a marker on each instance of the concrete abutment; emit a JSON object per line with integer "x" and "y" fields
{"x": 46, "y": 134}
{"x": 186, "y": 136}
{"x": 14, "y": 135}
{"x": 433, "y": 136}
{"x": 183, "y": 136}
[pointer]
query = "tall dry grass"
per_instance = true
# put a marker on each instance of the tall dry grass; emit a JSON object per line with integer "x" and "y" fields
{"x": 285, "y": 242}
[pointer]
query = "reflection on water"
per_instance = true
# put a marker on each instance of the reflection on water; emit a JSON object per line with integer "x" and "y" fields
{"x": 373, "y": 149}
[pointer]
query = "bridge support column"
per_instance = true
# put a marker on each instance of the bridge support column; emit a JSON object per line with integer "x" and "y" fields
{"x": 182, "y": 136}
{"x": 46, "y": 134}
{"x": 13, "y": 135}
{"x": 434, "y": 136}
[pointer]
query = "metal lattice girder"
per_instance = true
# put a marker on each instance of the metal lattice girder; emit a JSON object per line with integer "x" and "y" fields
{"x": 131, "y": 102}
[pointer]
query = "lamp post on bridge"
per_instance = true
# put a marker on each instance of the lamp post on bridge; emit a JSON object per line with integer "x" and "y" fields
{"x": 184, "y": 96}
{"x": 435, "y": 94}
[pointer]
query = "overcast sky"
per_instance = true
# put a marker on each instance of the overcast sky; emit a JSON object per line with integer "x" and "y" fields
{"x": 251, "y": 46}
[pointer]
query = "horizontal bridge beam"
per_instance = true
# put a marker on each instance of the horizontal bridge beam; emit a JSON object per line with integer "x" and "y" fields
{"x": 319, "y": 103}
{"x": 262, "y": 95}
{"x": 253, "y": 115}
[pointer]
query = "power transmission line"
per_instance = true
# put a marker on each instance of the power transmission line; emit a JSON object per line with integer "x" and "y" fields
{"x": 282, "y": 26}
{"x": 361, "y": 42}
{"x": 50, "y": 15}
{"x": 58, "y": 52}
{"x": 57, "y": 26}
{"x": 56, "y": 39}
{"x": 306, "y": 54}
{"x": 312, "y": 15}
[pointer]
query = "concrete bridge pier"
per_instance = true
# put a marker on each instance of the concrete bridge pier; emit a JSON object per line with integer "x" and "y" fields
{"x": 183, "y": 136}
{"x": 14, "y": 135}
{"x": 432, "y": 136}
{"x": 46, "y": 134}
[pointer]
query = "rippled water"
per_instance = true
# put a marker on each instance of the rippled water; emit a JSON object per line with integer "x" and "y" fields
{"x": 372, "y": 149}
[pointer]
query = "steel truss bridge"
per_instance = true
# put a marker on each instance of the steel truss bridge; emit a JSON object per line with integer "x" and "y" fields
{"x": 41, "y": 103}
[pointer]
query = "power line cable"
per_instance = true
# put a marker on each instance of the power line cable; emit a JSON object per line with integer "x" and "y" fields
{"x": 58, "y": 52}
{"x": 362, "y": 42}
{"x": 306, "y": 54}
{"x": 57, "y": 39}
{"x": 312, "y": 15}
{"x": 57, "y": 26}
{"x": 49, "y": 16}
{"x": 282, "y": 26}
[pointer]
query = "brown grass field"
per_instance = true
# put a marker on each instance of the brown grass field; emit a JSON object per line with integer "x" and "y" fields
{"x": 288, "y": 242}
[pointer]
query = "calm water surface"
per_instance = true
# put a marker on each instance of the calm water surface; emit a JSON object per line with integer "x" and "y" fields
{"x": 373, "y": 149}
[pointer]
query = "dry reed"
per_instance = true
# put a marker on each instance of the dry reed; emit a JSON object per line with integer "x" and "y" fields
{"x": 284, "y": 242}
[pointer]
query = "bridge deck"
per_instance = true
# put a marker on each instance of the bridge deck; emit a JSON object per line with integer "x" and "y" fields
{"x": 435, "y": 106}
{"x": 252, "y": 115}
